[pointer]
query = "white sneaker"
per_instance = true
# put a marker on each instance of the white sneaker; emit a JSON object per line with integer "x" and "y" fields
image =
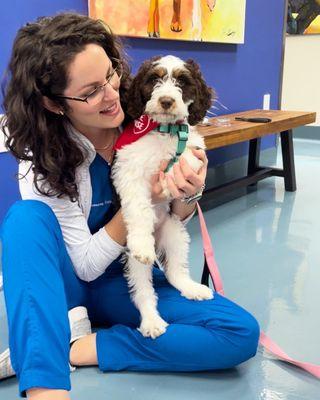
{"x": 6, "y": 369}
{"x": 79, "y": 326}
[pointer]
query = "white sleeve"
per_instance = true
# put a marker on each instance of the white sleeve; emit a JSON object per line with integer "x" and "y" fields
{"x": 90, "y": 254}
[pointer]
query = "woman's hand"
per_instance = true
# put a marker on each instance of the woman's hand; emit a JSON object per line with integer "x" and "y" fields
{"x": 185, "y": 182}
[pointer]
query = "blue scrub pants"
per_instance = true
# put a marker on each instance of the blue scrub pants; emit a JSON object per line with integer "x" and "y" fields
{"x": 41, "y": 286}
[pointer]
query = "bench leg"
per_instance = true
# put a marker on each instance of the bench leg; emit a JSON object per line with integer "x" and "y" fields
{"x": 288, "y": 161}
{"x": 254, "y": 155}
{"x": 253, "y": 159}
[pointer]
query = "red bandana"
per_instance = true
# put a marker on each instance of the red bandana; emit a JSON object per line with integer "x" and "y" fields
{"x": 135, "y": 130}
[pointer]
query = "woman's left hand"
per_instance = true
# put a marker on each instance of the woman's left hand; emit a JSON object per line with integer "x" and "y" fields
{"x": 186, "y": 182}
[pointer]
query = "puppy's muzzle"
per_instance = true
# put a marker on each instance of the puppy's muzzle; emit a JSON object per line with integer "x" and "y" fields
{"x": 166, "y": 102}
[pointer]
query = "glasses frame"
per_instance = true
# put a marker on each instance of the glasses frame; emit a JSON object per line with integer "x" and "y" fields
{"x": 115, "y": 70}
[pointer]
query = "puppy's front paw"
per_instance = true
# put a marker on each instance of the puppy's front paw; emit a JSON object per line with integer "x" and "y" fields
{"x": 196, "y": 291}
{"x": 165, "y": 190}
{"x": 153, "y": 326}
{"x": 166, "y": 194}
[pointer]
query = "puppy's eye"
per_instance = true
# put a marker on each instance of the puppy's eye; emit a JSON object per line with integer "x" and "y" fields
{"x": 183, "y": 80}
{"x": 152, "y": 79}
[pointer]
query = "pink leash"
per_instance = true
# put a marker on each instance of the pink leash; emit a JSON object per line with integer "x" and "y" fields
{"x": 265, "y": 341}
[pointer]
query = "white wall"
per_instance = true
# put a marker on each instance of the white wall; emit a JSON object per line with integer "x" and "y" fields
{"x": 301, "y": 74}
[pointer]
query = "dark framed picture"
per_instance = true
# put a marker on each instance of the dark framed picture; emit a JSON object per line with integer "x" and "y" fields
{"x": 303, "y": 17}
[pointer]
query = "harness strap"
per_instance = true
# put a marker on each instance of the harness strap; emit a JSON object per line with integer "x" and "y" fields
{"x": 182, "y": 132}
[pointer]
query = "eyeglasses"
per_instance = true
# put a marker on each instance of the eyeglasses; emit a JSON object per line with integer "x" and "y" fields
{"x": 96, "y": 96}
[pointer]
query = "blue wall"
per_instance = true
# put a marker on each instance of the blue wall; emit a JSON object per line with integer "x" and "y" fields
{"x": 240, "y": 74}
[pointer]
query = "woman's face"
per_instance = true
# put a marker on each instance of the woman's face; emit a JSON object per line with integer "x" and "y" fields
{"x": 91, "y": 68}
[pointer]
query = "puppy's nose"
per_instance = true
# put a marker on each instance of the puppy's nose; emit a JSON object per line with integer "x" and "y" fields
{"x": 166, "y": 102}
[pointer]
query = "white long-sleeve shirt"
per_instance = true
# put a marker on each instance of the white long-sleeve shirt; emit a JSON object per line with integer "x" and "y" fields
{"x": 90, "y": 253}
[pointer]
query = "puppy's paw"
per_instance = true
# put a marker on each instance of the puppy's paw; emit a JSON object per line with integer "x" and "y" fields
{"x": 194, "y": 162}
{"x": 153, "y": 326}
{"x": 165, "y": 190}
{"x": 142, "y": 249}
{"x": 144, "y": 257}
{"x": 166, "y": 194}
{"x": 196, "y": 291}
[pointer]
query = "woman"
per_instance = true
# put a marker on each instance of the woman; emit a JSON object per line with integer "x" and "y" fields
{"x": 62, "y": 243}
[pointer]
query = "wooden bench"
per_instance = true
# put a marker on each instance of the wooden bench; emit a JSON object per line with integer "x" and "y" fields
{"x": 239, "y": 131}
{"x": 282, "y": 122}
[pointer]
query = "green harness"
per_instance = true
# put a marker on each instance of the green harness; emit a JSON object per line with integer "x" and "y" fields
{"x": 179, "y": 130}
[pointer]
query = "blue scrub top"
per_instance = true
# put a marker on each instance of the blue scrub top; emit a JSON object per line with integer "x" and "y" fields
{"x": 102, "y": 209}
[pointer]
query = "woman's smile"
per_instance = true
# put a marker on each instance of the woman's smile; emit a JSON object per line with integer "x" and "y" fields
{"x": 111, "y": 110}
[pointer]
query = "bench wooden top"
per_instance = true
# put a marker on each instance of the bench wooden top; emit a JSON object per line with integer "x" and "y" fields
{"x": 239, "y": 131}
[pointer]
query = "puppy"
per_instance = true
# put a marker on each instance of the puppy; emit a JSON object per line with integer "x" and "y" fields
{"x": 166, "y": 93}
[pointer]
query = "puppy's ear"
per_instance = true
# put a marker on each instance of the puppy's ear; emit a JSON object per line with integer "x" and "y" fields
{"x": 204, "y": 94}
{"x": 135, "y": 97}
{"x": 135, "y": 101}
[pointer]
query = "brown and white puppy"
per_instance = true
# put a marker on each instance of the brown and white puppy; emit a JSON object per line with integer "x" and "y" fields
{"x": 168, "y": 90}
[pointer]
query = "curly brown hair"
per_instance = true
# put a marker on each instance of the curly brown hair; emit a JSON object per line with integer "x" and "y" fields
{"x": 41, "y": 55}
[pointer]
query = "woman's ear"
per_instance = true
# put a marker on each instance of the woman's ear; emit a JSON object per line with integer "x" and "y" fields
{"x": 204, "y": 96}
{"x": 51, "y": 106}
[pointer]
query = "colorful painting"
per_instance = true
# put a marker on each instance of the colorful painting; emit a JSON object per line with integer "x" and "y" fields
{"x": 303, "y": 17}
{"x": 198, "y": 20}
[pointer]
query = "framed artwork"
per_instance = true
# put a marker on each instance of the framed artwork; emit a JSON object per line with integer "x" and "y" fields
{"x": 303, "y": 17}
{"x": 197, "y": 20}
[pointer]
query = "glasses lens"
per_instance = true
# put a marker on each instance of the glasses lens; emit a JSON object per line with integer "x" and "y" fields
{"x": 113, "y": 80}
{"x": 96, "y": 97}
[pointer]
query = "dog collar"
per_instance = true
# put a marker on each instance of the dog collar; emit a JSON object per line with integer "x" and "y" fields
{"x": 141, "y": 126}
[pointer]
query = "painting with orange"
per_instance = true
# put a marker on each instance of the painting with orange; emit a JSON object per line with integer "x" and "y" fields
{"x": 197, "y": 20}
